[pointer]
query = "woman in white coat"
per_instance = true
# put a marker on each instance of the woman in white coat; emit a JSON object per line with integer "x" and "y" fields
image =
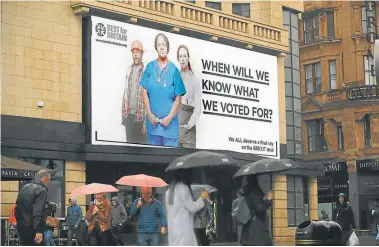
{"x": 181, "y": 209}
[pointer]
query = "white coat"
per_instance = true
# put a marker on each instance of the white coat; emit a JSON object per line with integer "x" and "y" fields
{"x": 180, "y": 216}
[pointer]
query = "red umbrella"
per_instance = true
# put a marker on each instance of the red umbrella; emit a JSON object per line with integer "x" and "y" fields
{"x": 93, "y": 188}
{"x": 142, "y": 180}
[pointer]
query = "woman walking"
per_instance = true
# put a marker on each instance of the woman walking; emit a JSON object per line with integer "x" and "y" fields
{"x": 50, "y": 210}
{"x": 181, "y": 209}
{"x": 256, "y": 231}
{"x": 190, "y": 107}
{"x": 99, "y": 222}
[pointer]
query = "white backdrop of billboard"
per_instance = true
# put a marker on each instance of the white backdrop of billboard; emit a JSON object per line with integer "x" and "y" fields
{"x": 239, "y": 88}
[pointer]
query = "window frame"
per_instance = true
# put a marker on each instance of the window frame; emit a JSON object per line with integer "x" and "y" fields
{"x": 316, "y": 87}
{"x": 365, "y": 19}
{"x": 312, "y": 32}
{"x": 331, "y": 26}
{"x": 369, "y": 79}
{"x": 321, "y": 145}
{"x": 367, "y": 130}
{"x": 340, "y": 138}
{"x": 304, "y": 189}
{"x": 332, "y": 75}
{"x": 240, "y": 5}
{"x": 212, "y": 4}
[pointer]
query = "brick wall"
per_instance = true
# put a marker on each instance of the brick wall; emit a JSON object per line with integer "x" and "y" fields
{"x": 41, "y": 60}
{"x": 8, "y": 196}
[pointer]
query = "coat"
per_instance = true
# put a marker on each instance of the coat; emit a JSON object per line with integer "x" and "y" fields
{"x": 344, "y": 216}
{"x": 118, "y": 213}
{"x": 256, "y": 231}
{"x": 30, "y": 206}
{"x": 102, "y": 216}
{"x": 180, "y": 215}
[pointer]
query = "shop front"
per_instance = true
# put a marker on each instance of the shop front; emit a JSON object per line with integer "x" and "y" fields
{"x": 368, "y": 188}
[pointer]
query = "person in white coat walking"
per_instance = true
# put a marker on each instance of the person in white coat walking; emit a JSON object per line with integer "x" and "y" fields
{"x": 181, "y": 209}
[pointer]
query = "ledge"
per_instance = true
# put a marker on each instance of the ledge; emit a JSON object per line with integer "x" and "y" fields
{"x": 194, "y": 18}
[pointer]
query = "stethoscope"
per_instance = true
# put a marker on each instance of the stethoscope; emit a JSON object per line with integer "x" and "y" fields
{"x": 160, "y": 73}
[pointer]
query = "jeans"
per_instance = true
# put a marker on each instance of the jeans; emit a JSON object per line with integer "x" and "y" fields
{"x": 148, "y": 239}
{"x": 49, "y": 238}
{"x": 377, "y": 235}
{"x": 78, "y": 235}
{"x": 116, "y": 232}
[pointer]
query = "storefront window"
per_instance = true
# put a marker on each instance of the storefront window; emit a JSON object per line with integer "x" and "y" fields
{"x": 57, "y": 185}
{"x": 297, "y": 200}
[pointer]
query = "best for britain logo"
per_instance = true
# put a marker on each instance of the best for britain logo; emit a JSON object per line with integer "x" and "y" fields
{"x": 100, "y": 29}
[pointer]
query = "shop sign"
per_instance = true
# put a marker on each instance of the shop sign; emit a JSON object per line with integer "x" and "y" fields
{"x": 229, "y": 95}
{"x": 336, "y": 167}
{"x": 368, "y": 165}
{"x": 9, "y": 173}
{"x": 372, "y": 35}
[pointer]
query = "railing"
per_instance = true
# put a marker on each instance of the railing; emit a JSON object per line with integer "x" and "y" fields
{"x": 186, "y": 15}
{"x": 367, "y": 92}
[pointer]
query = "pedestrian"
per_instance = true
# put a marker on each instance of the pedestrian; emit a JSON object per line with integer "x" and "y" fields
{"x": 181, "y": 209}
{"x": 344, "y": 216}
{"x": 203, "y": 223}
{"x": 376, "y": 222}
{"x": 118, "y": 219}
{"x": 256, "y": 231}
{"x": 99, "y": 228}
{"x": 30, "y": 207}
{"x": 151, "y": 218}
{"x": 50, "y": 210}
{"x": 74, "y": 220}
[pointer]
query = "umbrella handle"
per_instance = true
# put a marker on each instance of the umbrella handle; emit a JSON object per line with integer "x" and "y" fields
{"x": 203, "y": 175}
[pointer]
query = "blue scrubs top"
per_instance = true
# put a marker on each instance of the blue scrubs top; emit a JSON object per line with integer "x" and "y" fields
{"x": 162, "y": 94}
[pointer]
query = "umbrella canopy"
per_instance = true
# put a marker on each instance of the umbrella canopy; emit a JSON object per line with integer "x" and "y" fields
{"x": 197, "y": 188}
{"x": 216, "y": 168}
{"x": 93, "y": 188}
{"x": 142, "y": 180}
{"x": 267, "y": 165}
{"x": 15, "y": 169}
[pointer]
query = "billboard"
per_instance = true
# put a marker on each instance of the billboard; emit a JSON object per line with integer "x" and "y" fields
{"x": 150, "y": 87}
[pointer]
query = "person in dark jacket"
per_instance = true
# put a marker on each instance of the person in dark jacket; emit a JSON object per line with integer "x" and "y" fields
{"x": 202, "y": 223}
{"x": 375, "y": 214}
{"x": 50, "y": 210}
{"x": 118, "y": 219}
{"x": 344, "y": 216}
{"x": 30, "y": 206}
{"x": 256, "y": 231}
{"x": 74, "y": 218}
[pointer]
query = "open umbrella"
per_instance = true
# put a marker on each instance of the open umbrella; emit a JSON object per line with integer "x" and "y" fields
{"x": 142, "y": 180}
{"x": 215, "y": 167}
{"x": 267, "y": 165}
{"x": 93, "y": 188}
{"x": 197, "y": 188}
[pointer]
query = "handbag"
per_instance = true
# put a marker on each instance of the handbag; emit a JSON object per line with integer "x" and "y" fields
{"x": 52, "y": 222}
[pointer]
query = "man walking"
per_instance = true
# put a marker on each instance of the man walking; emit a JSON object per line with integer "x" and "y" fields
{"x": 74, "y": 218}
{"x": 344, "y": 216}
{"x": 151, "y": 218}
{"x": 30, "y": 206}
{"x": 118, "y": 218}
{"x": 133, "y": 111}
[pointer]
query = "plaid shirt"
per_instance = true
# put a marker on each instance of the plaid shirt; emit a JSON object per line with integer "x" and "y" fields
{"x": 140, "y": 111}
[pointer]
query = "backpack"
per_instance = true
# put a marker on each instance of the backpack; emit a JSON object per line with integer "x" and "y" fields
{"x": 240, "y": 211}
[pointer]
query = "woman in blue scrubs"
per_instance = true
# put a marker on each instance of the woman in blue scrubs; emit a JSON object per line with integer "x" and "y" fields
{"x": 163, "y": 89}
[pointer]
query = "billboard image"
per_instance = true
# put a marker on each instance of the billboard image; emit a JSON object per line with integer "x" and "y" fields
{"x": 150, "y": 87}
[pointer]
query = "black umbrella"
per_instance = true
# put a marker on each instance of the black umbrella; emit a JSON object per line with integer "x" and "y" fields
{"x": 205, "y": 164}
{"x": 267, "y": 165}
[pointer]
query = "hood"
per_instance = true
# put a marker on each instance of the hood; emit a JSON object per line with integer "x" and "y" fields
{"x": 115, "y": 199}
{"x": 74, "y": 200}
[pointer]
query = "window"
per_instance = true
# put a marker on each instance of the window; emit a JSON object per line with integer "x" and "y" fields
{"x": 368, "y": 62}
{"x": 316, "y": 139}
{"x": 242, "y": 9}
{"x": 311, "y": 29}
{"x": 367, "y": 130}
{"x": 332, "y": 74}
{"x": 190, "y": 1}
{"x": 366, "y": 18}
{"x": 57, "y": 185}
{"x": 330, "y": 16}
{"x": 297, "y": 200}
{"x": 213, "y": 5}
{"x": 340, "y": 138}
{"x": 313, "y": 78}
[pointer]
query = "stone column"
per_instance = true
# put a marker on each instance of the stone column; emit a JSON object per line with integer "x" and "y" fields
{"x": 313, "y": 199}
{"x": 75, "y": 176}
{"x": 354, "y": 189}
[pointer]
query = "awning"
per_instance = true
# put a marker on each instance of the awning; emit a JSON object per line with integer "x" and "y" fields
{"x": 309, "y": 169}
{"x": 14, "y": 169}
